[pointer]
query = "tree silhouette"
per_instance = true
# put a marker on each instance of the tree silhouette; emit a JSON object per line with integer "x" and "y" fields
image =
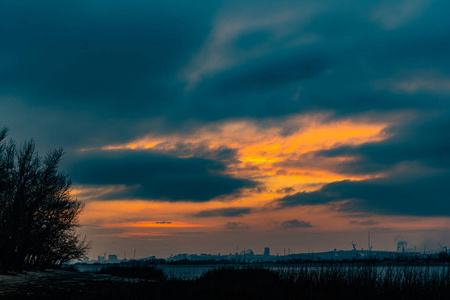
{"x": 38, "y": 215}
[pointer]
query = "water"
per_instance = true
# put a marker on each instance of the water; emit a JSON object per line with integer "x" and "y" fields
{"x": 171, "y": 271}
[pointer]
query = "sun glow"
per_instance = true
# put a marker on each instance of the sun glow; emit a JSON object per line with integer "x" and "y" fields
{"x": 261, "y": 149}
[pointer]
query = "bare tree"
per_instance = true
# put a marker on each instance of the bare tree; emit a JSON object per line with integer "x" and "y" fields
{"x": 38, "y": 215}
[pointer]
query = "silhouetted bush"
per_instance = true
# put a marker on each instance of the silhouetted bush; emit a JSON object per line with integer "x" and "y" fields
{"x": 239, "y": 283}
{"x": 38, "y": 216}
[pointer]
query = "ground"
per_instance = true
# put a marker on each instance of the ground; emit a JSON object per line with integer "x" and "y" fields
{"x": 53, "y": 283}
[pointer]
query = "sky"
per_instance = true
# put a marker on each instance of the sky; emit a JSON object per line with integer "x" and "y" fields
{"x": 203, "y": 126}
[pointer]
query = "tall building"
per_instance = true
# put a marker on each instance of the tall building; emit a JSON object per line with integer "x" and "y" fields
{"x": 112, "y": 258}
{"x": 266, "y": 251}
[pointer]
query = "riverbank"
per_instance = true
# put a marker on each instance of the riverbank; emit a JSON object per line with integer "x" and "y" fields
{"x": 331, "y": 281}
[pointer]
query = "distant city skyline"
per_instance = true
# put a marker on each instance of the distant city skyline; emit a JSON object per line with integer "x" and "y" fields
{"x": 248, "y": 255}
{"x": 402, "y": 246}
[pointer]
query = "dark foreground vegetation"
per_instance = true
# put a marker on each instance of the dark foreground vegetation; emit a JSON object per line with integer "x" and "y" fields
{"x": 38, "y": 215}
{"x": 297, "y": 282}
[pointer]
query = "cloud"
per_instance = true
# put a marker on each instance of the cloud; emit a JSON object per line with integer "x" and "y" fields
{"x": 260, "y": 88}
{"x": 200, "y": 150}
{"x": 123, "y": 68}
{"x": 154, "y": 176}
{"x": 408, "y": 168}
{"x": 112, "y": 65}
{"x": 393, "y": 15}
{"x": 224, "y": 212}
{"x": 103, "y": 231}
{"x": 364, "y": 223}
{"x": 417, "y": 81}
{"x": 236, "y": 225}
{"x": 289, "y": 224}
{"x": 420, "y": 142}
{"x": 96, "y": 73}
{"x": 401, "y": 194}
{"x": 286, "y": 190}
{"x": 269, "y": 72}
{"x": 244, "y": 31}
{"x": 104, "y": 52}
{"x": 308, "y": 198}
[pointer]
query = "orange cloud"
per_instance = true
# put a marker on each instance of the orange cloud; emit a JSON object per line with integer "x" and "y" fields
{"x": 255, "y": 142}
{"x": 157, "y": 224}
{"x": 264, "y": 152}
{"x": 262, "y": 147}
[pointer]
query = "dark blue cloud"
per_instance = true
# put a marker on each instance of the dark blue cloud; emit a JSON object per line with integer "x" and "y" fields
{"x": 257, "y": 88}
{"x": 236, "y": 225}
{"x": 269, "y": 72}
{"x": 423, "y": 140}
{"x": 114, "y": 58}
{"x": 289, "y": 224}
{"x": 224, "y": 212}
{"x": 364, "y": 223}
{"x": 154, "y": 176}
{"x": 253, "y": 39}
{"x": 338, "y": 72}
{"x": 91, "y": 73}
{"x": 402, "y": 194}
{"x": 121, "y": 63}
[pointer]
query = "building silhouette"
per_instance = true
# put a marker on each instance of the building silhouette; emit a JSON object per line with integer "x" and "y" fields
{"x": 112, "y": 258}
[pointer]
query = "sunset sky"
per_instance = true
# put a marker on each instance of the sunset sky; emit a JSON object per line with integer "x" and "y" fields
{"x": 202, "y": 126}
